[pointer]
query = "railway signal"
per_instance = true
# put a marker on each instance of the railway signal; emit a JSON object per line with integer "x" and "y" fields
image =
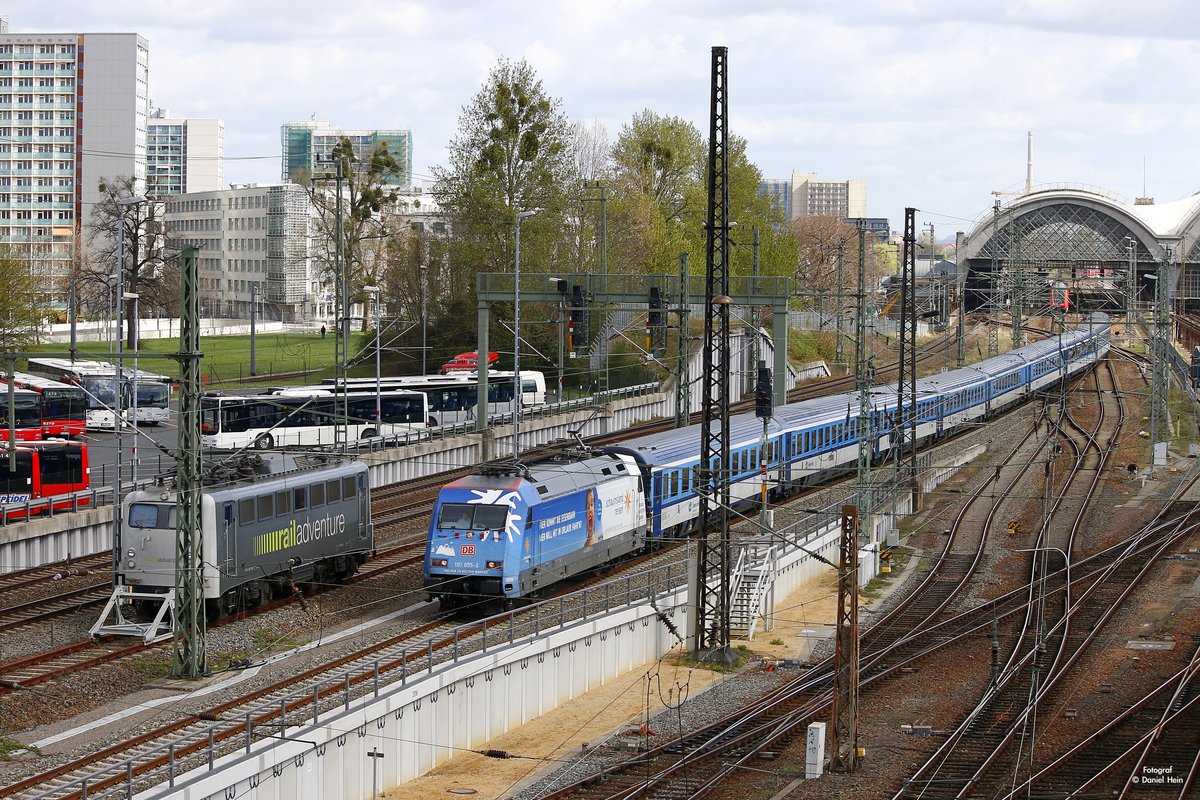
{"x": 577, "y": 323}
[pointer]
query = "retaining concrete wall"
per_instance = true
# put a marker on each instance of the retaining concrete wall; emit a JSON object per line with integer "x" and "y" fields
{"x": 421, "y": 722}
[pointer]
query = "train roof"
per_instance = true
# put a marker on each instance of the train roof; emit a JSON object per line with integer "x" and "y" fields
{"x": 681, "y": 444}
{"x": 549, "y": 479}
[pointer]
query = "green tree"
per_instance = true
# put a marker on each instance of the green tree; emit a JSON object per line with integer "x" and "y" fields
{"x": 369, "y": 193}
{"x": 510, "y": 154}
{"x": 21, "y": 301}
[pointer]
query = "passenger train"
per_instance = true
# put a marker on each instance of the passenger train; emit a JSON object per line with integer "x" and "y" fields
{"x": 506, "y": 533}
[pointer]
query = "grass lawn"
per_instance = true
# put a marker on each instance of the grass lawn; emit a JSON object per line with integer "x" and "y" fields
{"x": 227, "y": 358}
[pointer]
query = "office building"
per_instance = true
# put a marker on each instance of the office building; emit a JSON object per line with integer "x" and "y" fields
{"x": 812, "y": 197}
{"x": 779, "y": 191}
{"x": 61, "y": 134}
{"x": 254, "y": 243}
{"x": 805, "y": 195}
{"x": 308, "y": 146}
{"x": 183, "y": 156}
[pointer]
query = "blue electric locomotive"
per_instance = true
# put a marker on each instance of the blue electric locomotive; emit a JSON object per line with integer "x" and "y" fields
{"x": 508, "y": 531}
{"x": 807, "y": 442}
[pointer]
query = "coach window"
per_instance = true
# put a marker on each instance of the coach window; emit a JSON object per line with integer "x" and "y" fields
{"x": 300, "y": 498}
{"x": 265, "y": 507}
{"x": 333, "y": 491}
{"x": 283, "y": 502}
{"x": 246, "y": 510}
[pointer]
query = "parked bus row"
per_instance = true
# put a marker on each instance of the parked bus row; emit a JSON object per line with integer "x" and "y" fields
{"x": 100, "y": 383}
{"x": 311, "y": 416}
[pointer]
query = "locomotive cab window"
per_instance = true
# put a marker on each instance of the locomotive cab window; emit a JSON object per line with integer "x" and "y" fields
{"x": 491, "y": 518}
{"x": 152, "y": 515}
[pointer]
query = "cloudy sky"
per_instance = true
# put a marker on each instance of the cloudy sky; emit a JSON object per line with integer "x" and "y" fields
{"x": 929, "y": 101}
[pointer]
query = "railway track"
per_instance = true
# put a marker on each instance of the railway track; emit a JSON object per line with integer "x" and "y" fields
{"x": 694, "y": 766}
{"x": 983, "y": 745}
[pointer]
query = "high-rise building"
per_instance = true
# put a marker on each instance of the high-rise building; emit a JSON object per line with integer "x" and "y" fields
{"x": 307, "y": 145}
{"x": 61, "y": 134}
{"x": 254, "y": 243}
{"x": 807, "y": 196}
{"x": 183, "y": 155}
{"x": 842, "y": 199}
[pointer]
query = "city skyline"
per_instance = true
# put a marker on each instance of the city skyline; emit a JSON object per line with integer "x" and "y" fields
{"x": 930, "y": 103}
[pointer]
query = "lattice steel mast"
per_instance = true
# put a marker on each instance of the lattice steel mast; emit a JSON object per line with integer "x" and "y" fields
{"x": 712, "y": 604}
{"x": 187, "y": 614}
{"x": 906, "y": 384}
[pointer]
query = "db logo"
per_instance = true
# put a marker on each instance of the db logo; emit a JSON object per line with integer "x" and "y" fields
{"x": 467, "y": 550}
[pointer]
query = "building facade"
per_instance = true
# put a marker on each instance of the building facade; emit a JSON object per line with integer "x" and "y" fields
{"x": 812, "y": 197}
{"x": 254, "y": 245}
{"x": 61, "y": 134}
{"x": 806, "y": 195}
{"x": 308, "y": 145}
{"x": 183, "y": 156}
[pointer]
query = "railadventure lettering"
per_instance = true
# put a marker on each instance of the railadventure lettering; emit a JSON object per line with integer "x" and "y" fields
{"x": 298, "y": 534}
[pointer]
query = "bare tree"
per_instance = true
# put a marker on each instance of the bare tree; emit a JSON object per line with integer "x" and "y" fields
{"x": 821, "y": 241}
{"x": 150, "y": 270}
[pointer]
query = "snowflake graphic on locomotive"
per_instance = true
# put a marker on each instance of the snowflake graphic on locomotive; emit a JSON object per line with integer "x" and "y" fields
{"x": 508, "y": 532}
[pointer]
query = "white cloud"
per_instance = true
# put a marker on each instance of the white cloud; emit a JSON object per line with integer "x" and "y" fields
{"x": 928, "y": 100}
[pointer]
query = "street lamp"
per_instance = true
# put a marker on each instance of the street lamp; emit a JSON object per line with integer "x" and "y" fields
{"x": 133, "y": 409}
{"x": 517, "y": 394}
{"x": 374, "y": 292}
{"x": 118, "y": 301}
{"x": 424, "y": 318}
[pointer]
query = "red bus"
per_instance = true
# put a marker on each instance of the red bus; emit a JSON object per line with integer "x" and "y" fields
{"x": 64, "y": 406}
{"x": 44, "y": 470}
{"x": 27, "y": 414}
{"x": 467, "y": 362}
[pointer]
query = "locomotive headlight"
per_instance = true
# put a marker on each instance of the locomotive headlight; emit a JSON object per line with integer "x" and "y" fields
{"x": 439, "y": 562}
{"x": 131, "y": 563}
{"x": 131, "y": 553}
{"x": 495, "y": 564}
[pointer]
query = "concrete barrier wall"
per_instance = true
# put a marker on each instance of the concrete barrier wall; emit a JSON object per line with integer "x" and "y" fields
{"x": 71, "y": 534}
{"x": 423, "y": 721}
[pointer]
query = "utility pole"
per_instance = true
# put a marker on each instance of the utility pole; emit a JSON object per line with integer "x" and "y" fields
{"x": 71, "y": 315}
{"x": 993, "y": 332}
{"x": 683, "y": 354}
{"x": 1159, "y": 386}
{"x": 839, "y": 348}
{"x": 1131, "y": 288}
{"x": 253, "y": 325}
{"x": 1017, "y": 307}
{"x": 188, "y": 649}
{"x": 960, "y": 344}
{"x": 844, "y": 755}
